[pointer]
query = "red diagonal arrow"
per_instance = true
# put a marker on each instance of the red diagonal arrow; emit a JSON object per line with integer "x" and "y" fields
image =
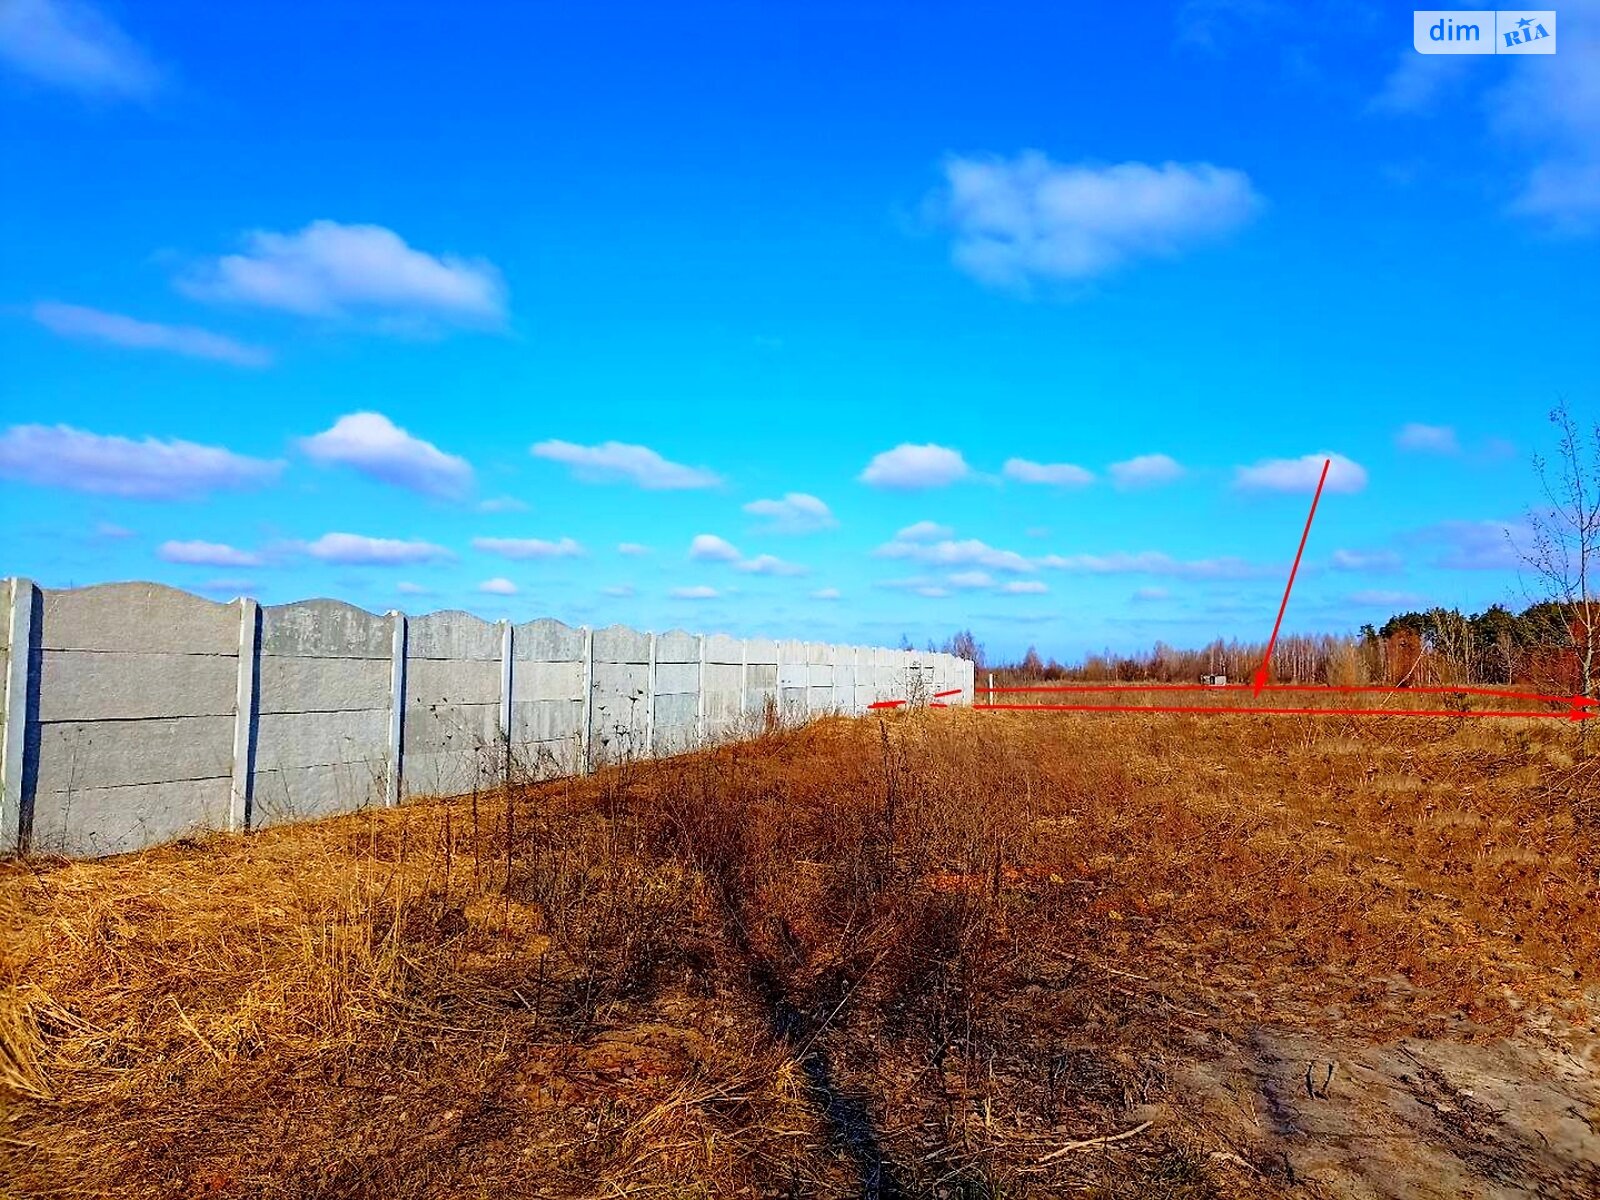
{"x": 1266, "y": 659}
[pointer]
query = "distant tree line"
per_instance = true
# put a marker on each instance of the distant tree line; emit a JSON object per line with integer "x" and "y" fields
{"x": 1539, "y": 645}
{"x": 1553, "y": 644}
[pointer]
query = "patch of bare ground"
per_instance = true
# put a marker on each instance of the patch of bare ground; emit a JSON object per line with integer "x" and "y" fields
{"x": 946, "y": 953}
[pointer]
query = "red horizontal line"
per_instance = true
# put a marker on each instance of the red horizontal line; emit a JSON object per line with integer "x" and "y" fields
{"x": 951, "y": 692}
{"x": 1572, "y": 714}
{"x": 886, "y": 704}
{"x": 1329, "y": 688}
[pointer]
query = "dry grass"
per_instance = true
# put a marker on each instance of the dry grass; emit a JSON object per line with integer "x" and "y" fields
{"x": 883, "y": 957}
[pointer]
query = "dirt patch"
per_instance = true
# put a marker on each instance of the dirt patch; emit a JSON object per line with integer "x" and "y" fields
{"x": 1416, "y": 1118}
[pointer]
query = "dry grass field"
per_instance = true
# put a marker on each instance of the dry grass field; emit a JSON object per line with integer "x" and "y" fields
{"x": 944, "y": 953}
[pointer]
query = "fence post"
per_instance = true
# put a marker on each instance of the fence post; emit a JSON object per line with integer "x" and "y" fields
{"x": 397, "y": 709}
{"x": 14, "y": 743}
{"x": 588, "y": 698}
{"x": 700, "y": 698}
{"x": 805, "y": 657}
{"x": 650, "y": 703}
{"x": 506, "y": 640}
{"x": 744, "y": 685}
{"x": 244, "y": 715}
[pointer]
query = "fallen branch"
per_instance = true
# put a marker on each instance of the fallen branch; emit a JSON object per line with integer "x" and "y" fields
{"x": 1099, "y": 1141}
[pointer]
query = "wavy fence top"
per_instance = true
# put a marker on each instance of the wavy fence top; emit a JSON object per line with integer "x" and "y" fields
{"x": 140, "y": 712}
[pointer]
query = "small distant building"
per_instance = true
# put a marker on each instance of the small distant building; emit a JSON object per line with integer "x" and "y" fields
{"x": 1214, "y": 680}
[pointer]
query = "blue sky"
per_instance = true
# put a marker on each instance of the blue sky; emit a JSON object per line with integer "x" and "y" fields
{"x": 867, "y": 320}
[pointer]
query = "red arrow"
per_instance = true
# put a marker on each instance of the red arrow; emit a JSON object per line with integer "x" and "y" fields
{"x": 1266, "y": 659}
{"x": 1574, "y": 714}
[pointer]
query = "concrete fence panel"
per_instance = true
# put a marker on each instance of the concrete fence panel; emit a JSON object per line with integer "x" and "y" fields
{"x": 844, "y": 679}
{"x": 549, "y": 697}
{"x": 724, "y": 687}
{"x": 794, "y": 681}
{"x": 134, "y": 713}
{"x": 451, "y": 730}
{"x": 760, "y": 680}
{"x": 819, "y": 678}
{"x": 325, "y": 697}
{"x": 620, "y": 703}
{"x": 134, "y": 728}
{"x": 677, "y": 722}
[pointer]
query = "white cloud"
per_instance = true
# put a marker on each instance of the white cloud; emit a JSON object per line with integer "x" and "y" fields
{"x": 1420, "y": 82}
{"x": 910, "y": 466}
{"x": 619, "y": 462}
{"x": 91, "y": 324}
{"x": 1566, "y": 194}
{"x": 354, "y": 549}
{"x": 1027, "y": 217}
{"x": 1058, "y": 474}
{"x": 1146, "y": 470}
{"x": 924, "y": 531}
{"x": 529, "y": 547}
{"x": 917, "y": 586}
{"x": 498, "y": 586}
{"x": 797, "y": 512}
{"x": 111, "y": 532}
{"x": 1383, "y": 599}
{"x": 971, "y": 579}
{"x": 949, "y": 553}
{"x": 700, "y": 592}
{"x": 769, "y": 564}
{"x": 618, "y": 589}
{"x": 231, "y": 586}
{"x": 377, "y": 447}
{"x": 1431, "y": 439}
{"x": 632, "y": 549}
{"x": 73, "y": 45}
{"x": 708, "y": 547}
{"x": 1549, "y": 107}
{"x": 826, "y": 594}
{"x": 502, "y": 504}
{"x": 207, "y": 554}
{"x": 1477, "y": 545}
{"x": 1152, "y": 562}
{"x": 151, "y": 469}
{"x": 333, "y": 270}
{"x": 1366, "y": 560}
{"x": 406, "y": 588}
{"x": 1024, "y": 587}
{"x": 1149, "y": 595}
{"x": 1543, "y": 109}
{"x": 1301, "y": 474}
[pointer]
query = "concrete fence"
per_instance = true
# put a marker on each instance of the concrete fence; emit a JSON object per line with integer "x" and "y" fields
{"x": 136, "y": 713}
